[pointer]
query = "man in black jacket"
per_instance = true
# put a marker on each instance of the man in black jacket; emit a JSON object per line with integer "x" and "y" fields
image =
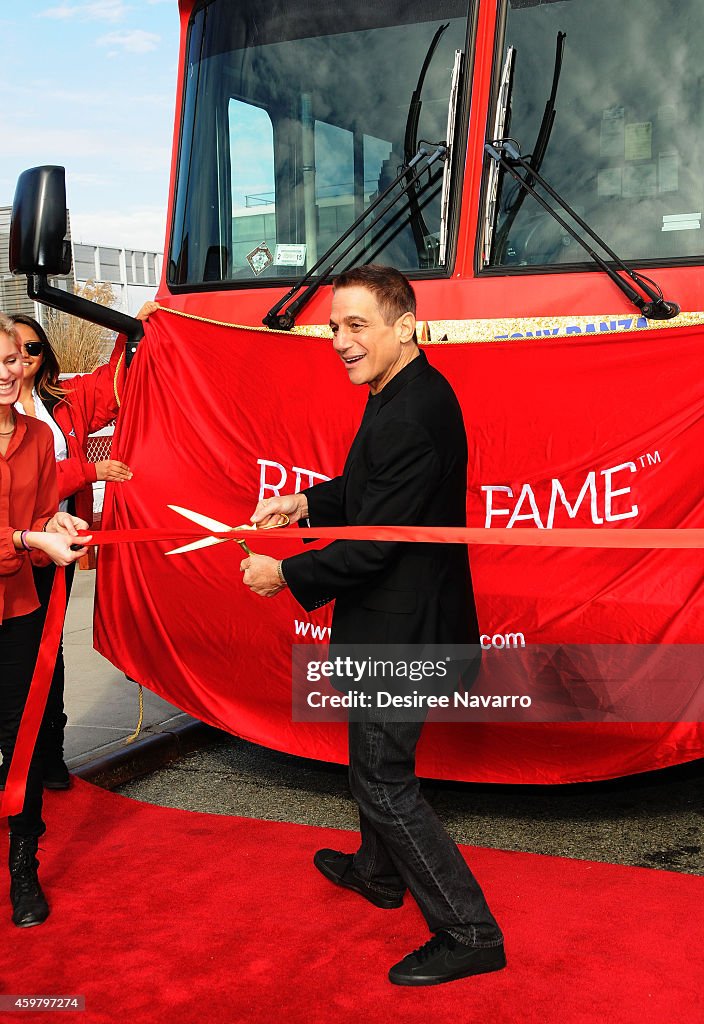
{"x": 407, "y": 466}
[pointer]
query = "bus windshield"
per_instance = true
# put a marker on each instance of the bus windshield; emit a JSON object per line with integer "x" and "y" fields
{"x": 296, "y": 115}
{"x": 614, "y": 114}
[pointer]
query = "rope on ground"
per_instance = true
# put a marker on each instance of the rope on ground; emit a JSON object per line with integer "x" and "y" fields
{"x": 135, "y": 734}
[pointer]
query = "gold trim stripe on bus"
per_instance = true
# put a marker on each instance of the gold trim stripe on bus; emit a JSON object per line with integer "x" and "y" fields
{"x": 468, "y": 332}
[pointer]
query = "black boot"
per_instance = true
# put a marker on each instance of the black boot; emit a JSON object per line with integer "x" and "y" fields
{"x": 55, "y": 774}
{"x": 29, "y": 906}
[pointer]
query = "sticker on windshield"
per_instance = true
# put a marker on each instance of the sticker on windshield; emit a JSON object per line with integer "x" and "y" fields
{"x": 612, "y": 133}
{"x": 290, "y": 255}
{"x": 639, "y": 140}
{"x": 260, "y": 258}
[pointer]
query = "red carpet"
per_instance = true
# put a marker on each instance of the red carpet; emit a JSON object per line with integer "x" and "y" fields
{"x": 164, "y": 915}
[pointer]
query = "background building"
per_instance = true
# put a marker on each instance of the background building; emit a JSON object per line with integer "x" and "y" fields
{"x": 132, "y": 273}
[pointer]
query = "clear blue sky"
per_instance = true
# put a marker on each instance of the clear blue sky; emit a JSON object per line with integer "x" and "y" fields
{"x": 90, "y": 84}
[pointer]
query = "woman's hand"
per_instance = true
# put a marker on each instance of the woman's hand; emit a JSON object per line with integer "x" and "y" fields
{"x": 58, "y": 546}
{"x": 111, "y": 469}
{"x": 147, "y": 308}
{"x": 66, "y": 524}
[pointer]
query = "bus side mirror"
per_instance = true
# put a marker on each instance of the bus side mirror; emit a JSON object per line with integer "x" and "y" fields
{"x": 38, "y": 243}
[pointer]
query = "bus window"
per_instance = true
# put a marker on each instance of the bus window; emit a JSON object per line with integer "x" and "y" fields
{"x": 626, "y": 144}
{"x": 294, "y": 119}
{"x": 343, "y": 188}
{"x": 334, "y": 185}
{"x": 251, "y": 146}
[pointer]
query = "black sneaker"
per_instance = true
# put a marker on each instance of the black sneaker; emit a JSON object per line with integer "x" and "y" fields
{"x": 443, "y": 959}
{"x": 337, "y": 867}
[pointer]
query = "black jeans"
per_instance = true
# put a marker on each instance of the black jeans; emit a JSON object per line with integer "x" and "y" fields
{"x": 404, "y": 844}
{"x": 51, "y": 733}
{"x": 19, "y": 644}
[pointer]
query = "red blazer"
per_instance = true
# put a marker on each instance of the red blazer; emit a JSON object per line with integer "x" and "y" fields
{"x": 28, "y": 498}
{"x": 88, "y": 404}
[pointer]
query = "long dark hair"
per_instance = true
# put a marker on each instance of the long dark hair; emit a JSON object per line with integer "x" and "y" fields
{"x": 46, "y": 383}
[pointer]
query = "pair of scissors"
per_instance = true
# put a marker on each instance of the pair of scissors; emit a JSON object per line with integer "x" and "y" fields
{"x": 213, "y": 524}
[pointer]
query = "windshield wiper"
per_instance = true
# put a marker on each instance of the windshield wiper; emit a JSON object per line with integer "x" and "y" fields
{"x": 410, "y": 145}
{"x": 507, "y": 155}
{"x": 447, "y": 169}
{"x": 502, "y": 123}
{"x": 419, "y": 165}
{"x": 539, "y": 150}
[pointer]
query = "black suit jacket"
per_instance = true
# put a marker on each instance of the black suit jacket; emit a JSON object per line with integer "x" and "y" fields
{"x": 407, "y": 466}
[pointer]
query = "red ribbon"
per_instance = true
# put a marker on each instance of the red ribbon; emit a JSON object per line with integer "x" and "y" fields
{"x": 13, "y": 798}
{"x": 577, "y": 538}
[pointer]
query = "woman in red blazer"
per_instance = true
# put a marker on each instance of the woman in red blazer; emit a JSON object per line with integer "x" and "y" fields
{"x": 77, "y": 407}
{"x": 31, "y": 533}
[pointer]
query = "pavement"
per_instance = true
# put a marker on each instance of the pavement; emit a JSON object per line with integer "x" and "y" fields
{"x": 103, "y": 706}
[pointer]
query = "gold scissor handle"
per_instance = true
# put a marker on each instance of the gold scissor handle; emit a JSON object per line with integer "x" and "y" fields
{"x": 283, "y": 521}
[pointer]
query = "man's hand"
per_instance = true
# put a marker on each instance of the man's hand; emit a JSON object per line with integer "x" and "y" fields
{"x": 261, "y": 575}
{"x": 295, "y": 506}
{"x": 111, "y": 469}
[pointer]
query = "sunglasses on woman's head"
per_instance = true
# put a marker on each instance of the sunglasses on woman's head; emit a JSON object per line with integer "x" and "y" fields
{"x": 33, "y": 347}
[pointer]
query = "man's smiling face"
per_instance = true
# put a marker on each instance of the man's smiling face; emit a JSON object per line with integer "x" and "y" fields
{"x": 372, "y": 350}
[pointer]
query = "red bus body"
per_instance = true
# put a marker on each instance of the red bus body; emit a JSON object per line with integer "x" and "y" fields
{"x": 536, "y": 298}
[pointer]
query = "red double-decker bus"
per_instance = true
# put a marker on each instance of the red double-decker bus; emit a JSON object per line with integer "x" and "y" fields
{"x": 313, "y": 136}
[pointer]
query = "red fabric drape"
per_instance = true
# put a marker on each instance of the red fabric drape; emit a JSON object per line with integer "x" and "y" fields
{"x": 602, "y": 432}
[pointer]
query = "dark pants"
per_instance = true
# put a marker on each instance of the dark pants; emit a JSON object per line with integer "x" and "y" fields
{"x": 404, "y": 844}
{"x": 19, "y": 644}
{"x": 51, "y": 733}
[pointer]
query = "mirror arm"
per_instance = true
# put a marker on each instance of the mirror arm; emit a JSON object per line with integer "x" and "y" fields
{"x": 39, "y": 289}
